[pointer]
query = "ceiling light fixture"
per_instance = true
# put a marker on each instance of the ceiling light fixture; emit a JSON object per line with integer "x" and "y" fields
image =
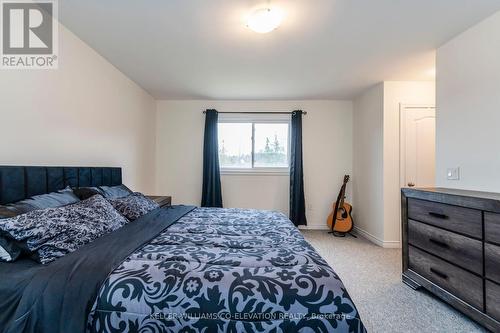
{"x": 265, "y": 20}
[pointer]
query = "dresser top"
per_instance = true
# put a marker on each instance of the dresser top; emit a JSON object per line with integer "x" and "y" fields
{"x": 487, "y": 201}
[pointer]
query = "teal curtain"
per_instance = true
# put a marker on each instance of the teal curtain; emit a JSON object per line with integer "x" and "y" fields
{"x": 211, "y": 190}
{"x": 297, "y": 200}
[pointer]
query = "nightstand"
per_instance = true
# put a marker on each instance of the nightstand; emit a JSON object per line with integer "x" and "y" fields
{"x": 161, "y": 200}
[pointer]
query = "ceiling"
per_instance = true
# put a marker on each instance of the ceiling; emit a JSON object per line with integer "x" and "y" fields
{"x": 324, "y": 49}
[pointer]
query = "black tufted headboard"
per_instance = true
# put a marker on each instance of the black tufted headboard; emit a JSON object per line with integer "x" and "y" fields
{"x": 21, "y": 182}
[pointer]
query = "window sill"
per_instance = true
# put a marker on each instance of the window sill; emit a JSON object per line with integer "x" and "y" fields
{"x": 255, "y": 172}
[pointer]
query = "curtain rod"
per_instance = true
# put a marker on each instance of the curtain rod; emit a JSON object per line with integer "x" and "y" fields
{"x": 303, "y": 112}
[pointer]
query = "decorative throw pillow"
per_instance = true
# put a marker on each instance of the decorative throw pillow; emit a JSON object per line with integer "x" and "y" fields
{"x": 134, "y": 205}
{"x": 54, "y": 232}
{"x": 83, "y": 193}
{"x": 115, "y": 192}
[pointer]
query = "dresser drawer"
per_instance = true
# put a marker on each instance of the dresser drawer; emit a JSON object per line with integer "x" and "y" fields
{"x": 492, "y": 262}
{"x": 460, "y": 250}
{"x": 455, "y": 280}
{"x": 493, "y": 300}
{"x": 459, "y": 219}
{"x": 492, "y": 227}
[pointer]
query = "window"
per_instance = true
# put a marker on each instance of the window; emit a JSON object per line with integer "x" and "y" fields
{"x": 256, "y": 145}
{"x": 235, "y": 145}
{"x": 271, "y": 145}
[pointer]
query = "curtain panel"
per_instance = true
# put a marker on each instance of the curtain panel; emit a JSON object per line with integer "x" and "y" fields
{"x": 211, "y": 190}
{"x": 297, "y": 200}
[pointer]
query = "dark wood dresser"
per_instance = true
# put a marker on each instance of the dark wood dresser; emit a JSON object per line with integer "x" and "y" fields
{"x": 451, "y": 247}
{"x": 161, "y": 200}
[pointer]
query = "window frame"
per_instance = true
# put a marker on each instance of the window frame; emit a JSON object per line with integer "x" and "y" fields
{"x": 258, "y": 119}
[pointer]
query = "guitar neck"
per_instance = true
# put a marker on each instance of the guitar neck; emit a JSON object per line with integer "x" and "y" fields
{"x": 342, "y": 195}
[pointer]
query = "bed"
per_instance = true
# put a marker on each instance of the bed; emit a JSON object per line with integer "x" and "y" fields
{"x": 176, "y": 269}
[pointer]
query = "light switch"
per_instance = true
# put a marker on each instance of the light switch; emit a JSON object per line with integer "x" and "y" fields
{"x": 453, "y": 173}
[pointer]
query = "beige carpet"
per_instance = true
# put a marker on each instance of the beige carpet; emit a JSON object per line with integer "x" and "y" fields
{"x": 372, "y": 276}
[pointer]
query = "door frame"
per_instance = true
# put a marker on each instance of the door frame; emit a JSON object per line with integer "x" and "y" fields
{"x": 402, "y": 137}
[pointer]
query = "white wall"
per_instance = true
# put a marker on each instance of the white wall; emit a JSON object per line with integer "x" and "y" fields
{"x": 468, "y": 108}
{"x": 376, "y": 156}
{"x": 84, "y": 113}
{"x": 368, "y": 162}
{"x": 397, "y": 93}
{"x": 327, "y": 143}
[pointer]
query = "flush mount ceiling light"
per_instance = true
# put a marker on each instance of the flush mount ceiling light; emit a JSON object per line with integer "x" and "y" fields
{"x": 265, "y": 20}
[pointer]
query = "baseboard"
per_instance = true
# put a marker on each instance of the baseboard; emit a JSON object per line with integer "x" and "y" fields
{"x": 313, "y": 227}
{"x": 376, "y": 240}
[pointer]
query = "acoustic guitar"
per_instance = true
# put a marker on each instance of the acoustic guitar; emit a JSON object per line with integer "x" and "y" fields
{"x": 340, "y": 220}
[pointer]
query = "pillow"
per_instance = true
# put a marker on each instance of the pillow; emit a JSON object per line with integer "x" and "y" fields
{"x": 9, "y": 250}
{"x": 83, "y": 193}
{"x": 115, "y": 192}
{"x": 134, "y": 205}
{"x": 4, "y": 254}
{"x": 6, "y": 212}
{"x": 53, "y": 199}
{"x": 42, "y": 201}
{"x": 53, "y": 232}
{"x": 15, "y": 209}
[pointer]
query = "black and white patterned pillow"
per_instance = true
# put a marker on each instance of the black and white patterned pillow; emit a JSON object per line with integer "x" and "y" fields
{"x": 51, "y": 233}
{"x": 134, "y": 205}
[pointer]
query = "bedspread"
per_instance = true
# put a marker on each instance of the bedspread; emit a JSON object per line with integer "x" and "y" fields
{"x": 225, "y": 270}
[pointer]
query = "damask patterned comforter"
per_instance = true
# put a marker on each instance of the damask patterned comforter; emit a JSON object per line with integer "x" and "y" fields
{"x": 225, "y": 270}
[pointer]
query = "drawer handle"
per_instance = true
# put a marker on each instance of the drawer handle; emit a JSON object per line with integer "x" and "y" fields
{"x": 438, "y": 243}
{"x": 438, "y": 273}
{"x": 437, "y": 215}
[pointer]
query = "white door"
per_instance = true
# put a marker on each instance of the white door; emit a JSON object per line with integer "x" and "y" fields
{"x": 418, "y": 146}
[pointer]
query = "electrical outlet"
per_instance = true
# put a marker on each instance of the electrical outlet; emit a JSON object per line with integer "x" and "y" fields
{"x": 453, "y": 173}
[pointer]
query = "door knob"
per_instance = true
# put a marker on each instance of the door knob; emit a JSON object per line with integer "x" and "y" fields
{"x": 410, "y": 184}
